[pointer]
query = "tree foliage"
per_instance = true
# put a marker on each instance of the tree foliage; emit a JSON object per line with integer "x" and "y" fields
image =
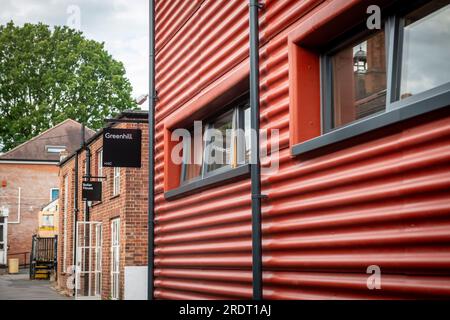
{"x": 49, "y": 75}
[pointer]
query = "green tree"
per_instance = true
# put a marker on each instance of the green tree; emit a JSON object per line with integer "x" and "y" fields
{"x": 49, "y": 75}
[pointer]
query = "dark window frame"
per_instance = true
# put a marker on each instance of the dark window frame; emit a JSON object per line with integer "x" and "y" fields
{"x": 396, "y": 109}
{"x": 215, "y": 180}
{"x": 220, "y": 176}
{"x": 238, "y": 107}
{"x": 326, "y": 76}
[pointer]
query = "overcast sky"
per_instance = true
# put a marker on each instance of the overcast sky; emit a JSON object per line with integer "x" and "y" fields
{"x": 121, "y": 24}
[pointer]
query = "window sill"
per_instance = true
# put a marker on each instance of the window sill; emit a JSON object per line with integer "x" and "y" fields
{"x": 114, "y": 196}
{"x": 211, "y": 181}
{"x": 96, "y": 204}
{"x": 406, "y": 109}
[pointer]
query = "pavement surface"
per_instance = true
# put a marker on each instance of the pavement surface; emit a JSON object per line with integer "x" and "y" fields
{"x": 19, "y": 287}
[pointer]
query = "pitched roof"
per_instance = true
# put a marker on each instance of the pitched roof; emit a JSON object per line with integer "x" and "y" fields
{"x": 65, "y": 134}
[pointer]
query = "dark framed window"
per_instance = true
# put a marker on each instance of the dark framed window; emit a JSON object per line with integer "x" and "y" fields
{"x": 404, "y": 67}
{"x": 224, "y": 146}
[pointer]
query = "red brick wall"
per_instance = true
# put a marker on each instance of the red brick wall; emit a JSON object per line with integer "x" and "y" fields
{"x": 130, "y": 206}
{"x": 35, "y": 181}
{"x": 67, "y": 170}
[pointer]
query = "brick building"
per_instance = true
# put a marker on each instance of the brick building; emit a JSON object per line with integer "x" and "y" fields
{"x": 29, "y": 180}
{"x": 117, "y": 265}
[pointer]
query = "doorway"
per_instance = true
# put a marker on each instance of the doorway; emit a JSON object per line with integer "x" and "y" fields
{"x": 88, "y": 270}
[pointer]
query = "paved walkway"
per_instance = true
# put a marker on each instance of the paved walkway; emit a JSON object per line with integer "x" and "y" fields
{"x": 19, "y": 287}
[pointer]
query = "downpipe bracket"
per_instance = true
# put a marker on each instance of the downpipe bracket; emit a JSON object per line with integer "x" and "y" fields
{"x": 258, "y": 5}
{"x": 155, "y": 96}
{"x": 260, "y": 196}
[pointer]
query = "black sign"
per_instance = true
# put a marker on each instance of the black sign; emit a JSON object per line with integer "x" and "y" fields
{"x": 122, "y": 148}
{"x": 91, "y": 191}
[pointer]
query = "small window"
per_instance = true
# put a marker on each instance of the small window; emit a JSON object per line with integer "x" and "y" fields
{"x": 116, "y": 181}
{"x": 54, "y": 194}
{"x": 55, "y": 149}
{"x": 47, "y": 221}
{"x": 100, "y": 163}
{"x": 225, "y": 144}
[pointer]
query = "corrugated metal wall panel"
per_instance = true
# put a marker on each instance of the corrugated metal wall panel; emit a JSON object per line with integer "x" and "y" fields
{"x": 383, "y": 201}
{"x": 195, "y": 233}
{"x": 213, "y": 41}
{"x": 171, "y": 15}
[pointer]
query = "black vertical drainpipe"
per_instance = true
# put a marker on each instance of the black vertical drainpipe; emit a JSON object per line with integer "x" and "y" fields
{"x": 255, "y": 166}
{"x": 75, "y": 202}
{"x": 87, "y": 168}
{"x": 151, "y": 150}
{"x": 75, "y": 208}
{"x": 88, "y": 177}
{"x": 86, "y": 212}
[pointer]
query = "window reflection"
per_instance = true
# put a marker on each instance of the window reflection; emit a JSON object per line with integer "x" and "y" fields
{"x": 426, "y": 48}
{"x": 359, "y": 80}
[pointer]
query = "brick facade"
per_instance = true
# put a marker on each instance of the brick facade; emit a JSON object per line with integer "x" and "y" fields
{"x": 35, "y": 182}
{"x": 130, "y": 206}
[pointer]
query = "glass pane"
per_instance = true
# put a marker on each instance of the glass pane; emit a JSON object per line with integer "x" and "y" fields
{"x": 100, "y": 163}
{"x": 55, "y": 194}
{"x": 359, "y": 80}
{"x": 193, "y": 163}
{"x": 47, "y": 221}
{"x": 1, "y": 232}
{"x": 247, "y": 129}
{"x": 219, "y": 142}
{"x": 55, "y": 149}
{"x": 426, "y": 49}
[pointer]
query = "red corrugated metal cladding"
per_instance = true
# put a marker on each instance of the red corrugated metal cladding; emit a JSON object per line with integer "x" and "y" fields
{"x": 383, "y": 200}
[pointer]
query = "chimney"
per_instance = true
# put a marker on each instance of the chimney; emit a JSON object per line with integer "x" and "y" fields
{"x": 63, "y": 154}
